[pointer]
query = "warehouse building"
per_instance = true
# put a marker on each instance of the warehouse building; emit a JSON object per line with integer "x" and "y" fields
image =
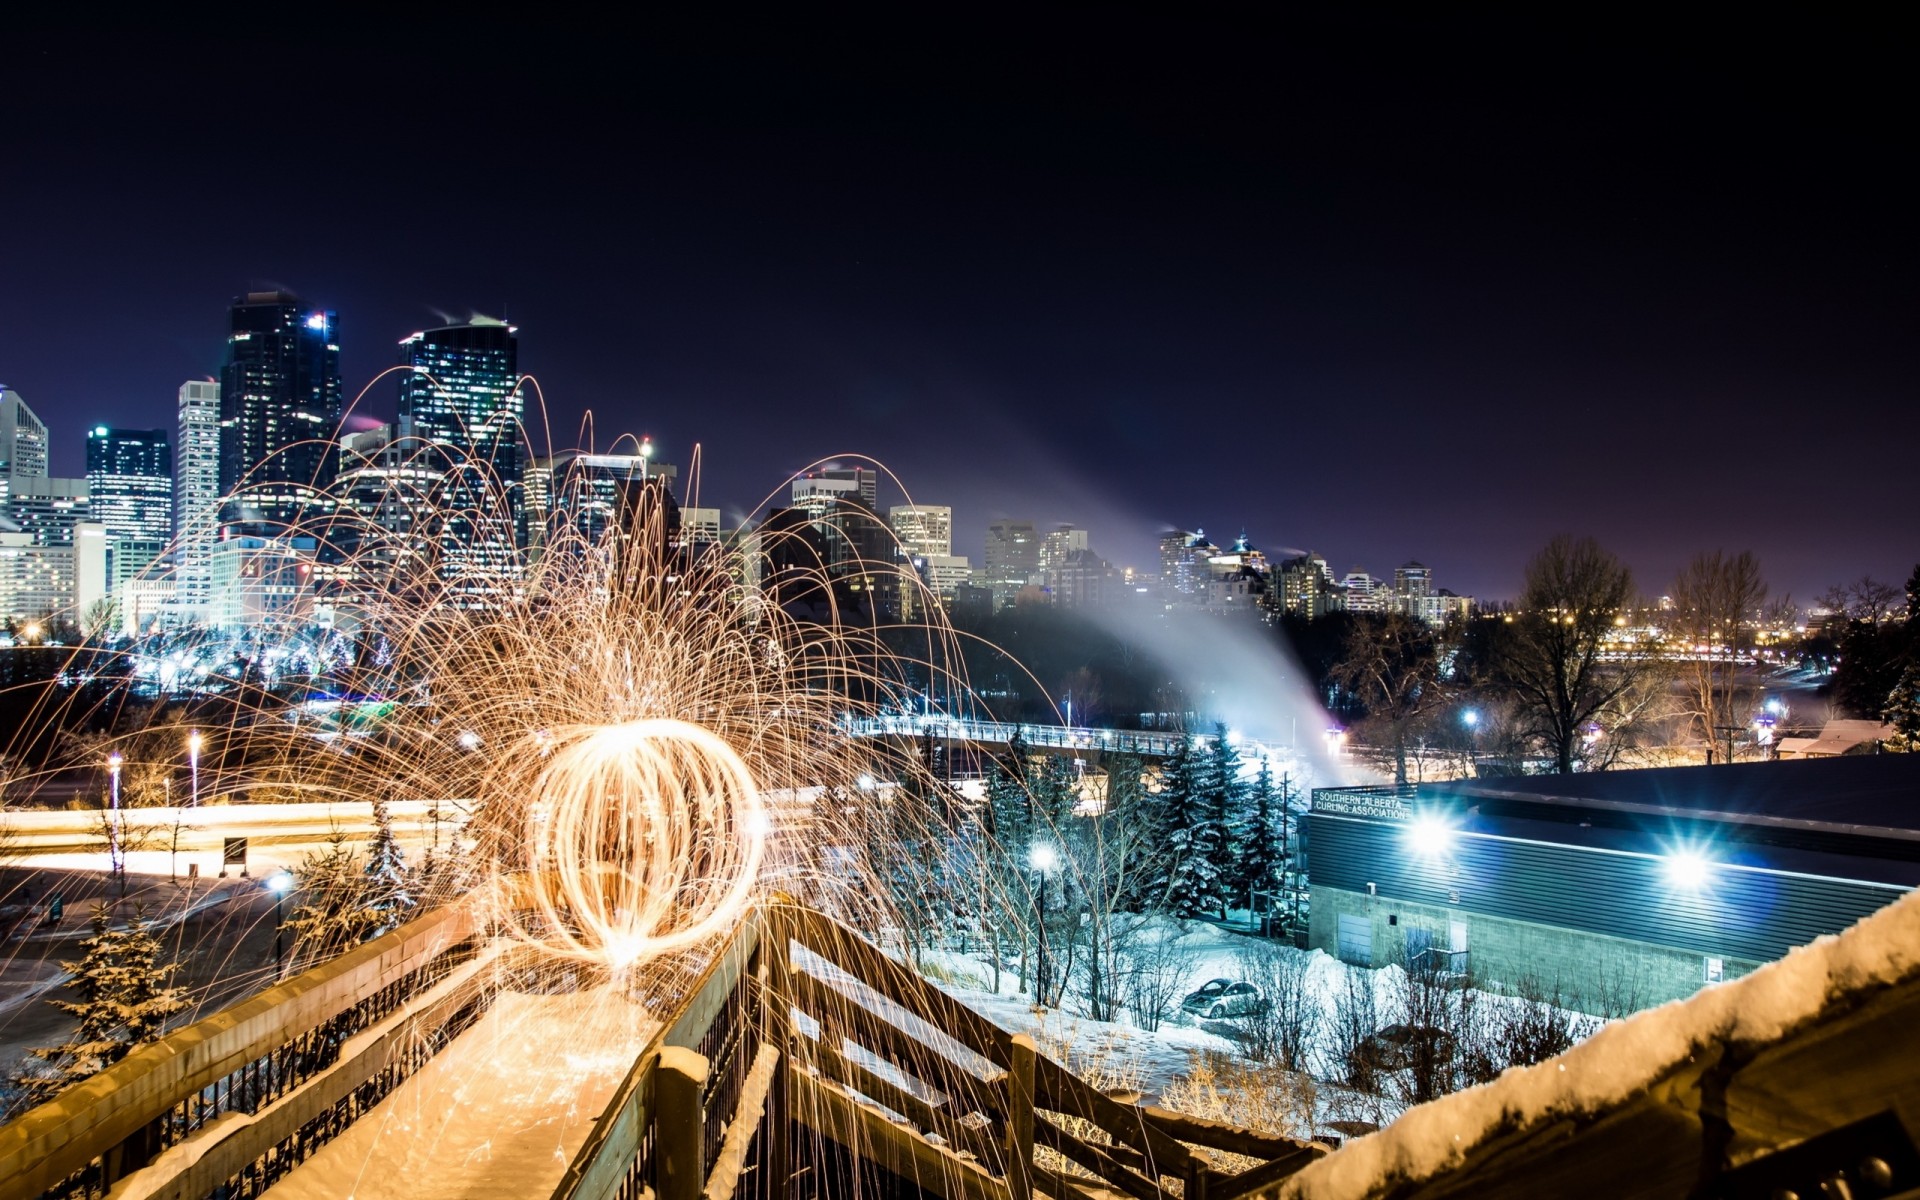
{"x": 1617, "y": 889}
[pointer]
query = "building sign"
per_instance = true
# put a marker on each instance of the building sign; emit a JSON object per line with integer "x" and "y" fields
{"x": 234, "y": 852}
{"x": 1361, "y": 802}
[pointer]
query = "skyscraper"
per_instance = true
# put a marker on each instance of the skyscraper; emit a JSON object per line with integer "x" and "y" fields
{"x": 1012, "y": 560}
{"x": 279, "y": 406}
{"x": 460, "y": 413}
{"x": 130, "y": 486}
{"x": 23, "y": 441}
{"x": 196, "y": 497}
{"x": 923, "y": 529}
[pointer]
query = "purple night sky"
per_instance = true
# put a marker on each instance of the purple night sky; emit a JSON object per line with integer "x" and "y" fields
{"x": 1384, "y": 289}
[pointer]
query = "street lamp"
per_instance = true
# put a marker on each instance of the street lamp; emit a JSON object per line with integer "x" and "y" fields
{"x": 114, "y": 850}
{"x": 280, "y": 883}
{"x": 1043, "y": 859}
{"x": 646, "y": 452}
{"x": 194, "y": 741}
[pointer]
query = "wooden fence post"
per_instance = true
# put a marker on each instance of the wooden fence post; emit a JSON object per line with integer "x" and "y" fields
{"x": 680, "y": 1084}
{"x": 777, "y": 1014}
{"x": 1020, "y": 1118}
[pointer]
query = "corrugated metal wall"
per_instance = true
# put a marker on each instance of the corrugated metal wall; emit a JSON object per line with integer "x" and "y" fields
{"x": 1740, "y": 912}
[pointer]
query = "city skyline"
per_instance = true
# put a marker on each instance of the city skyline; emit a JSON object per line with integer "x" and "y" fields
{"x": 1212, "y": 302}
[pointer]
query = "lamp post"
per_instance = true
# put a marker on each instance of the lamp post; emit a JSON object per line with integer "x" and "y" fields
{"x": 194, "y": 741}
{"x": 280, "y": 883}
{"x": 1044, "y": 859}
{"x": 1471, "y": 719}
{"x": 114, "y": 864}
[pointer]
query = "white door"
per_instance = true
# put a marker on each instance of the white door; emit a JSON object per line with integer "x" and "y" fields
{"x": 1457, "y": 936}
{"x": 1356, "y": 939}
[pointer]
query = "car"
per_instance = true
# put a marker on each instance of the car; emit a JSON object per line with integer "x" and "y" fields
{"x": 1218, "y": 999}
{"x": 1395, "y": 1047}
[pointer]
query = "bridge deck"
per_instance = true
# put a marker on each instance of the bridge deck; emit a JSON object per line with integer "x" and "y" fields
{"x": 500, "y": 1111}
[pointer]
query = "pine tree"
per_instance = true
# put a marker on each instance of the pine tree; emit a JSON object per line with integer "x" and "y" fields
{"x": 1191, "y": 795}
{"x": 1260, "y": 839}
{"x": 1226, "y": 802}
{"x": 1903, "y": 712}
{"x": 388, "y": 893}
{"x": 123, "y": 997}
{"x": 335, "y": 915}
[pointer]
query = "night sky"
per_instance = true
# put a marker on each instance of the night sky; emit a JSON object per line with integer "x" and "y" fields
{"x": 1383, "y": 289}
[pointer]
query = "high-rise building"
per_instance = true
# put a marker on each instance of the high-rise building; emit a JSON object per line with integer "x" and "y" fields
{"x": 1307, "y": 588}
{"x": 1184, "y": 573}
{"x": 606, "y": 502}
{"x": 923, "y": 529}
{"x": 279, "y": 407}
{"x": 864, "y": 480}
{"x": 130, "y": 488}
{"x": 1058, "y": 545}
{"x": 461, "y": 406}
{"x": 1012, "y": 560}
{"x": 1412, "y": 584}
{"x": 196, "y": 498}
{"x": 63, "y": 581}
{"x": 1362, "y": 593}
{"x": 23, "y": 441}
{"x": 47, "y": 509}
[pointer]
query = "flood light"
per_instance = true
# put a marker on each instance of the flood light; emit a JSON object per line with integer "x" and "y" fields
{"x": 281, "y": 882}
{"x": 1430, "y": 836}
{"x": 1688, "y": 870}
{"x": 1042, "y": 857}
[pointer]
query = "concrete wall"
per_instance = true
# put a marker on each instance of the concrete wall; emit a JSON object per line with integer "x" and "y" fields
{"x": 1592, "y": 972}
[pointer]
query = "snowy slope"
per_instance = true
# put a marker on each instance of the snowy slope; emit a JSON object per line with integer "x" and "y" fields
{"x": 1626, "y": 1057}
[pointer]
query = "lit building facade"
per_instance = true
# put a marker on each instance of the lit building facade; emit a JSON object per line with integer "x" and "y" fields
{"x": 64, "y": 581}
{"x": 279, "y": 406}
{"x": 1362, "y": 593}
{"x": 462, "y": 404}
{"x": 1060, "y": 544}
{"x": 130, "y": 491}
{"x": 924, "y": 530}
{"x": 23, "y": 441}
{"x": 1012, "y": 559}
{"x": 47, "y": 509}
{"x": 259, "y": 580}
{"x": 1307, "y": 588}
{"x": 196, "y": 497}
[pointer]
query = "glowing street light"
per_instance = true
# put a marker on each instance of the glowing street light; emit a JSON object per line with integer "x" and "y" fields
{"x": 280, "y": 883}
{"x": 1043, "y": 858}
{"x": 194, "y": 741}
{"x": 1470, "y": 718}
{"x": 115, "y": 864}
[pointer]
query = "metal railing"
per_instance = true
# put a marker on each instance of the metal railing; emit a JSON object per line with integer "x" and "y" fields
{"x": 1147, "y": 742}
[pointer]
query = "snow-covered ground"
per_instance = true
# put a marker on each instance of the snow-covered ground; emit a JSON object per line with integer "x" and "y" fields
{"x": 1626, "y": 1056}
{"x": 499, "y": 1112}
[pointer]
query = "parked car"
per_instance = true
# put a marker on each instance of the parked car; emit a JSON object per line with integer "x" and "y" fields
{"x": 1394, "y": 1048}
{"x": 1220, "y": 998}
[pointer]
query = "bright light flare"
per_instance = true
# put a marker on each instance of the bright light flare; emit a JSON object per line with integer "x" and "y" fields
{"x": 1430, "y": 836}
{"x": 1688, "y": 870}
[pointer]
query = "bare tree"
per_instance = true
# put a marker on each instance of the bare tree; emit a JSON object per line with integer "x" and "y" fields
{"x": 1355, "y": 1020}
{"x": 1714, "y": 597}
{"x": 1392, "y": 668}
{"x": 1157, "y": 971}
{"x": 1551, "y": 663}
{"x": 1866, "y": 599}
{"x": 1289, "y": 1021}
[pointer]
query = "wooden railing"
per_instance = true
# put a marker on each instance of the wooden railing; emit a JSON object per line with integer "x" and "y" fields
{"x": 277, "y": 1057}
{"x": 903, "y": 1075}
{"x": 799, "y": 1061}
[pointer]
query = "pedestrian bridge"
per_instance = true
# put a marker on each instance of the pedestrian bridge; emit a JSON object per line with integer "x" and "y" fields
{"x": 794, "y": 1060}
{"x": 1148, "y": 743}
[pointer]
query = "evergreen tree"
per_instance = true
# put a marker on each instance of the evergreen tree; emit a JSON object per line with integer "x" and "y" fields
{"x": 123, "y": 997}
{"x": 389, "y": 888}
{"x": 1190, "y": 794}
{"x": 1226, "y": 802}
{"x": 335, "y": 915}
{"x": 1903, "y": 712}
{"x": 1260, "y": 840}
